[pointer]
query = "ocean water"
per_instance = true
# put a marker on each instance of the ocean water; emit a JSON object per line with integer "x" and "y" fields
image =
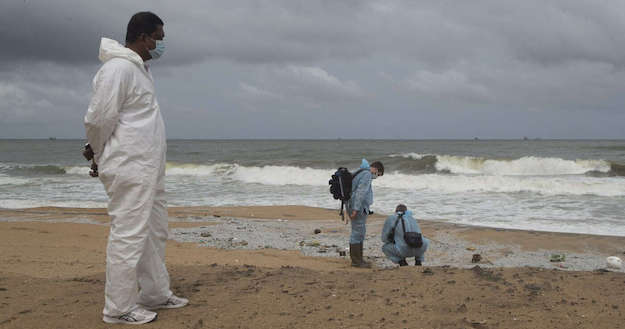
{"x": 553, "y": 185}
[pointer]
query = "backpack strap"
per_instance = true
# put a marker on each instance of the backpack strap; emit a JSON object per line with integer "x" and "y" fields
{"x": 354, "y": 176}
{"x": 341, "y": 211}
{"x": 403, "y": 225}
{"x": 399, "y": 217}
{"x": 358, "y": 172}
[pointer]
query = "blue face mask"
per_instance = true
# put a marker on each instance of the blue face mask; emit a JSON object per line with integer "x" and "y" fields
{"x": 157, "y": 52}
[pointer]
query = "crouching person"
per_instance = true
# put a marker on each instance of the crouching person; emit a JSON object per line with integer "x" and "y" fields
{"x": 402, "y": 238}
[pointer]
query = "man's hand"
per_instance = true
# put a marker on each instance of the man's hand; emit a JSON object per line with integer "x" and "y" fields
{"x": 353, "y": 214}
{"x": 89, "y": 155}
{"x": 94, "y": 169}
{"x": 88, "y": 152}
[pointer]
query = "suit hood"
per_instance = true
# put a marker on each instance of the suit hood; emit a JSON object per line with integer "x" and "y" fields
{"x": 110, "y": 49}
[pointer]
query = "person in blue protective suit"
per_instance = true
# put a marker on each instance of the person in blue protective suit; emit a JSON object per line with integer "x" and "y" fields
{"x": 358, "y": 208}
{"x": 395, "y": 246}
{"x": 126, "y": 133}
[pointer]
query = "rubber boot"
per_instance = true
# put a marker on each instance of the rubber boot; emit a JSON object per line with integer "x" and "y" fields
{"x": 355, "y": 252}
{"x": 363, "y": 262}
{"x": 417, "y": 262}
{"x": 403, "y": 262}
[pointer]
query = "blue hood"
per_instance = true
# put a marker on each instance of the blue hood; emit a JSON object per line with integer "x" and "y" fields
{"x": 365, "y": 164}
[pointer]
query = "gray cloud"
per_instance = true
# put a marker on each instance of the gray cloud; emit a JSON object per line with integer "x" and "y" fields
{"x": 309, "y": 86}
{"x": 374, "y": 64}
{"x": 303, "y": 31}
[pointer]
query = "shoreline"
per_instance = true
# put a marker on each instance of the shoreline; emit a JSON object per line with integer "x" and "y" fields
{"x": 291, "y": 228}
{"x": 180, "y": 214}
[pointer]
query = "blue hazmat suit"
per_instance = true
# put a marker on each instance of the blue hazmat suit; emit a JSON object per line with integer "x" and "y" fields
{"x": 361, "y": 200}
{"x": 399, "y": 249}
{"x": 126, "y": 132}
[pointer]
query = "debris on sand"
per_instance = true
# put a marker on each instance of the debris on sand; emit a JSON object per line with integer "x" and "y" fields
{"x": 614, "y": 262}
{"x": 313, "y": 244}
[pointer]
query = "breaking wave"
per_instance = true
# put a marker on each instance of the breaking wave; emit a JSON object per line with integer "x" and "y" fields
{"x": 36, "y": 170}
{"x": 551, "y": 185}
{"x": 290, "y": 175}
{"x": 267, "y": 175}
{"x": 7, "y": 181}
{"x": 546, "y": 176}
{"x": 409, "y": 163}
{"x": 525, "y": 166}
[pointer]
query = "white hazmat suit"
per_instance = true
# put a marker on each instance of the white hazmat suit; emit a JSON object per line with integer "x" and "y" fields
{"x": 127, "y": 134}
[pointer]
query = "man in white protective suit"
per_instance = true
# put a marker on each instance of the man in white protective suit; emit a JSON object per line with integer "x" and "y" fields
{"x": 126, "y": 132}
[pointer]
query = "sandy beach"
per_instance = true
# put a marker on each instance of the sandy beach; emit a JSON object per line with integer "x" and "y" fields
{"x": 264, "y": 267}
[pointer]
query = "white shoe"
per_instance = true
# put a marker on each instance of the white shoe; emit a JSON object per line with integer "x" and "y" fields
{"x": 172, "y": 302}
{"x": 138, "y": 316}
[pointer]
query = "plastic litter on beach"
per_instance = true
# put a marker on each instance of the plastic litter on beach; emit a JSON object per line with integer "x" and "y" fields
{"x": 555, "y": 258}
{"x": 614, "y": 262}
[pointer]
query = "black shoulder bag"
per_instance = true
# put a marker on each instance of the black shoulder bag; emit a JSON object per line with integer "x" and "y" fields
{"x": 413, "y": 239}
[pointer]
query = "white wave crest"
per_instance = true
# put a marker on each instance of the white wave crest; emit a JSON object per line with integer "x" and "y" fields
{"x": 77, "y": 170}
{"x": 22, "y": 204}
{"x": 525, "y": 166}
{"x": 577, "y": 185}
{"x": 267, "y": 175}
{"x": 411, "y": 155}
{"x": 283, "y": 175}
{"x": 191, "y": 169}
{"x": 8, "y": 180}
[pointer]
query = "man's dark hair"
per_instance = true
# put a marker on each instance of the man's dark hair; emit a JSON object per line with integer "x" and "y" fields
{"x": 142, "y": 22}
{"x": 379, "y": 166}
{"x": 401, "y": 208}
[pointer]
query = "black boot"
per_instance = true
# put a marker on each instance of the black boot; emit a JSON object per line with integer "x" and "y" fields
{"x": 355, "y": 253}
{"x": 403, "y": 262}
{"x": 417, "y": 262}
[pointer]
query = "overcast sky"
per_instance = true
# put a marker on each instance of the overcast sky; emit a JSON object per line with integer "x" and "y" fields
{"x": 331, "y": 68}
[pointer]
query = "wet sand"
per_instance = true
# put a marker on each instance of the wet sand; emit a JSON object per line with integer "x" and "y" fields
{"x": 52, "y": 276}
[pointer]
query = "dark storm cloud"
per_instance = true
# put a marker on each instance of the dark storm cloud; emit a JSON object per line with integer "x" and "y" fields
{"x": 304, "y": 31}
{"x": 56, "y": 31}
{"x": 67, "y": 31}
{"x": 291, "y": 64}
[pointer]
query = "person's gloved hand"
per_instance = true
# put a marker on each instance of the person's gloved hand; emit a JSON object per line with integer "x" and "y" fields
{"x": 89, "y": 155}
{"x": 94, "y": 169}
{"x": 88, "y": 152}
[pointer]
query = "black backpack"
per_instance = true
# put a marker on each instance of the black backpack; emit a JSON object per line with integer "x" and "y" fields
{"x": 341, "y": 186}
{"x": 413, "y": 239}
